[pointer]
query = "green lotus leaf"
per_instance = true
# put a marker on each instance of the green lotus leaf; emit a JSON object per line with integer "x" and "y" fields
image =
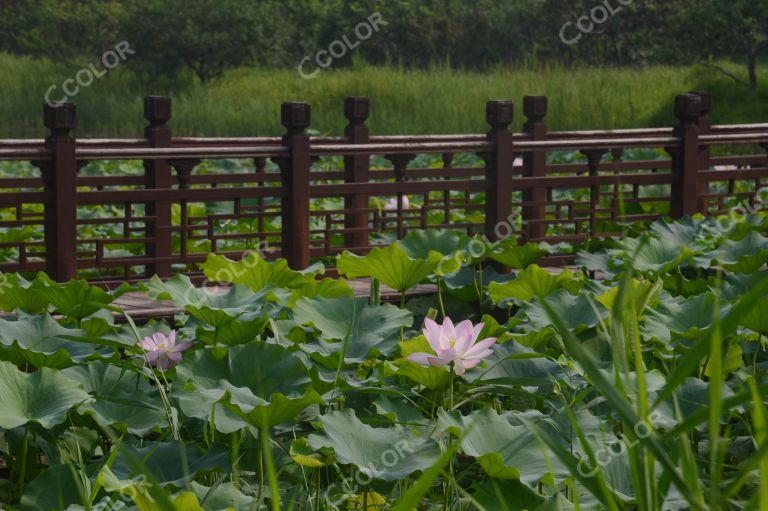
{"x": 76, "y": 299}
{"x": 529, "y": 283}
{"x": 44, "y": 396}
{"x": 641, "y": 293}
{"x": 390, "y": 265}
{"x": 42, "y": 342}
{"x": 649, "y": 254}
{"x": 367, "y": 327}
{"x": 257, "y": 382}
{"x": 577, "y": 311}
{"x": 55, "y": 489}
{"x": 497, "y": 495}
{"x": 390, "y": 454}
{"x": 169, "y": 463}
{"x": 431, "y": 377}
{"x": 757, "y": 319}
{"x": 598, "y": 262}
{"x": 513, "y": 255}
{"x": 16, "y": 293}
{"x": 464, "y": 283}
{"x": 503, "y": 450}
{"x": 512, "y": 364}
{"x": 123, "y": 400}
{"x": 743, "y": 256}
{"x": 242, "y": 330}
{"x": 223, "y": 497}
{"x": 682, "y": 317}
{"x": 419, "y": 243}
{"x": 256, "y": 273}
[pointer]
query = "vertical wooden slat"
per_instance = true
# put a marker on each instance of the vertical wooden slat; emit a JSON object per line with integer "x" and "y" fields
{"x": 60, "y": 178}
{"x": 685, "y": 159}
{"x": 295, "y": 179}
{"x": 705, "y": 128}
{"x": 357, "y": 168}
{"x": 535, "y": 165}
{"x": 157, "y": 175}
{"x": 498, "y": 169}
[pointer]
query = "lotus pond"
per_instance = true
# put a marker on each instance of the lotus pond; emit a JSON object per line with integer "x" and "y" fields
{"x": 636, "y": 380}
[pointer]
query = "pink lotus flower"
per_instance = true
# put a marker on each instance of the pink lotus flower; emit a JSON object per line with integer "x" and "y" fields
{"x": 457, "y": 345}
{"x": 161, "y": 351}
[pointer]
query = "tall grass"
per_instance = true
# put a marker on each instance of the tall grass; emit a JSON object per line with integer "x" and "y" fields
{"x": 246, "y": 101}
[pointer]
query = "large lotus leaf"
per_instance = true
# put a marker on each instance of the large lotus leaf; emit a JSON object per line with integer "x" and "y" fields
{"x": 419, "y": 243}
{"x": 429, "y": 376}
{"x": 757, "y": 319}
{"x": 506, "y": 495}
{"x": 649, "y": 254}
{"x": 16, "y": 293}
{"x": 169, "y": 463}
{"x": 682, "y": 317}
{"x": 42, "y": 342}
{"x": 368, "y": 327}
{"x": 256, "y": 381}
{"x": 743, "y": 256}
{"x": 735, "y": 285}
{"x": 55, "y": 489}
{"x": 44, "y": 396}
{"x": 75, "y": 299}
{"x": 577, "y": 311}
{"x": 390, "y": 454}
{"x": 213, "y": 307}
{"x": 692, "y": 396}
{"x": 641, "y": 293}
{"x": 223, "y": 497}
{"x": 122, "y": 400}
{"x": 678, "y": 232}
{"x": 390, "y": 265}
{"x": 464, "y": 283}
{"x": 512, "y": 364}
{"x": 510, "y": 253}
{"x": 531, "y": 282}
{"x": 243, "y": 330}
{"x": 256, "y": 273}
{"x": 598, "y": 262}
{"x": 503, "y": 450}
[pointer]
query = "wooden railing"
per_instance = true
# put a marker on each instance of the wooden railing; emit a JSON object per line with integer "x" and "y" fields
{"x": 304, "y": 198}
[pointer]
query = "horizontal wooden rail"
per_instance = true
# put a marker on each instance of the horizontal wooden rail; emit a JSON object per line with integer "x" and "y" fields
{"x": 304, "y": 197}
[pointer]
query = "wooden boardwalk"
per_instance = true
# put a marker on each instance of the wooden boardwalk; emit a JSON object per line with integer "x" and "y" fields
{"x": 139, "y": 306}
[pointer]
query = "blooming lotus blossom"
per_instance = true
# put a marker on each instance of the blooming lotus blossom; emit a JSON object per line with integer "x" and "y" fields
{"x": 454, "y": 344}
{"x": 162, "y": 351}
{"x": 391, "y": 204}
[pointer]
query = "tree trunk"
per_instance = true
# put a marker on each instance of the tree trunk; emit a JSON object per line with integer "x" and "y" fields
{"x": 752, "y": 65}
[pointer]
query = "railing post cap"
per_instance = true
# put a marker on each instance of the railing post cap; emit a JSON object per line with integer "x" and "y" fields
{"x": 157, "y": 108}
{"x": 295, "y": 114}
{"x": 535, "y": 106}
{"x": 59, "y": 116}
{"x": 357, "y": 109}
{"x": 706, "y": 101}
{"x": 499, "y": 113}
{"x": 688, "y": 107}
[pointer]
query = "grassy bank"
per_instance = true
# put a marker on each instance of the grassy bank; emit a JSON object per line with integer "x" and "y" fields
{"x": 246, "y": 101}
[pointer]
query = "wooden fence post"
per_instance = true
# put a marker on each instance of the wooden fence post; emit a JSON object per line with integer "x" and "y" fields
{"x": 295, "y": 180}
{"x": 705, "y": 128}
{"x": 60, "y": 181}
{"x": 685, "y": 158}
{"x": 357, "y": 169}
{"x": 498, "y": 170}
{"x": 158, "y": 175}
{"x": 535, "y": 165}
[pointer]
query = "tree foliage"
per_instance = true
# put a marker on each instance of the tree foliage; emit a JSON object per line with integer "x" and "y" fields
{"x": 209, "y": 36}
